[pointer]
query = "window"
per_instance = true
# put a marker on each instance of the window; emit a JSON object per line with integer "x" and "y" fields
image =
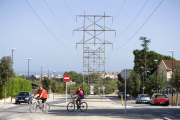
{"x": 144, "y": 95}
{"x": 160, "y": 96}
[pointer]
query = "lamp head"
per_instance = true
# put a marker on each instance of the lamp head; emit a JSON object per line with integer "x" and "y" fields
{"x": 13, "y": 49}
{"x": 42, "y": 65}
{"x": 29, "y": 58}
{"x": 155, "y": 60}
{"x": 171, "y": 51}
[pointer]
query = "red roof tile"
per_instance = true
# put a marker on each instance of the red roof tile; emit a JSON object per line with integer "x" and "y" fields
{"x": 168, "y": 63}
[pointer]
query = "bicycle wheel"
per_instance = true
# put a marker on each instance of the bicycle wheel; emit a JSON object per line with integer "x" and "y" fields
{"x": 47, "y": 108}
{"x": 83, "y": 106}
{"x": 33, "y": 108}
{"x": 71, "y": 107}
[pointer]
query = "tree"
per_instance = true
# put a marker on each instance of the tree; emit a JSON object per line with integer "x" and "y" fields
{"x": 33, "y": 78}
{"x": 175, "y": 82}
{"x": 151, "y": 64}
{"x": 74, "y": 77}
{"x": 108, "y": 78}
{"x": 54, "y": 86}
{"x": 129, "y": 83}
{"x": 6, "y": 71}
{"x": 34, "y": 85}
{"x": 46, "y": 83}
{"x": 95, "y": 78}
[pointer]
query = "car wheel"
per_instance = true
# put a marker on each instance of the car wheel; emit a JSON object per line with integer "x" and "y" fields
{"x": 19, "y": 103}
{"x": 136, "y": 102}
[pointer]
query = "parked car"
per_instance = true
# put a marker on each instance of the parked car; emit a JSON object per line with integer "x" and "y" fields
{"x": 122, "y": 93}
{"x": 24, "y": 97}
{"x": 160, "y": 99}
{"x": 143, "y": 98}
{"x": 153, "y": 96}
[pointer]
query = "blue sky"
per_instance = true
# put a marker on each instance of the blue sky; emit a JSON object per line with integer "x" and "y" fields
{"x": 20, "y": 28}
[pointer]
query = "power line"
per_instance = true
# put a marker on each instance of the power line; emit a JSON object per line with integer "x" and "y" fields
{"x": 71, "y": 15}
{"x": 120, "y": 9}
{"x": 106, "y": 5}
{"x": 46, "y": 26}
{"x": 69, "y": 10}
{"x": 140, "y": 27}
{"x": 61, "y": 26}
{"x": 56, "y": 17}
{"x": 133, "y": 19}
{"x": 116, "y": 16}
{"x": 83, "y": 5}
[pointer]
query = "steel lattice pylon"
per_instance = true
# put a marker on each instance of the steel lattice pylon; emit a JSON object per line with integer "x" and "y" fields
{"x": 93, "y": 47}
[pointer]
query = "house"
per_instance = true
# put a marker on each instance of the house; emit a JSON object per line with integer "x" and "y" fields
{"x": 109, "y": 74}
{"x": 165, "y": 67}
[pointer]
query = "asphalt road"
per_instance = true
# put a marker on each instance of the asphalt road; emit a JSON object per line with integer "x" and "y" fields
{"x": 137, "y": 109}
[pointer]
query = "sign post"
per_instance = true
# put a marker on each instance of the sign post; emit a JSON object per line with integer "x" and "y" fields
{"x": 66, "y": 78}
{"x": 143, "y": 87}
{"x": 103, "y": 88}
{"x": 125, "y": 74}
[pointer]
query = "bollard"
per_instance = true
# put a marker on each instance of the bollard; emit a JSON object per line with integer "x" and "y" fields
{"x": 122, "y": 99}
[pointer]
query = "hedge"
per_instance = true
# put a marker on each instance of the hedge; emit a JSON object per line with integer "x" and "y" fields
{"x": 16, "y": 85}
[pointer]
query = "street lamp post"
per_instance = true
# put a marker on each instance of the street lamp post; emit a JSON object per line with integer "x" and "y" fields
{"x": 48, "y": 73}
{"x": 28, "y": 66}
{"x": 54, "y": 73}
{"x": 142, "y": 78}
{"x": 12, "y": 56}
{"x": 172, "y": 71}
{"x": 156, "y": 75}
{"x": 41, "y": 71}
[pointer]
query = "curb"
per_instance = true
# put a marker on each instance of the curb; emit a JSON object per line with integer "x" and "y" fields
{"x": 143, "y": 116}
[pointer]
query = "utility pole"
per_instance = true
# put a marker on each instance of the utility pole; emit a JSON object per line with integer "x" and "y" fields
{"x": 93, "y": 46}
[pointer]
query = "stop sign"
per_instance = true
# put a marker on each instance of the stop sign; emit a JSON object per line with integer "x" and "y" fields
{"x": 143, "y": 87}
{"x": 66, "y": 78}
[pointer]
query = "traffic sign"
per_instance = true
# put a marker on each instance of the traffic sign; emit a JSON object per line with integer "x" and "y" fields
{"x": 127, "y": 75}
{"x": 143, "y": 87}
{"x": 103, "y": 87}
{"x": 66, "y": 78}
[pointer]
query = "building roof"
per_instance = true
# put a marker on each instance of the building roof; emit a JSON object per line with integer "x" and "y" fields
{"x": 168, "y": 63}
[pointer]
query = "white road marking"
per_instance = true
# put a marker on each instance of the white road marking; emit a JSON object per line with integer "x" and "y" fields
{"x": 167, "y": 115}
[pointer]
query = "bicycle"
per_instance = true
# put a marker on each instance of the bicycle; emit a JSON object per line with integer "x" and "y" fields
{"x": 33, "y": 107}
{"x": 82, "y": 106}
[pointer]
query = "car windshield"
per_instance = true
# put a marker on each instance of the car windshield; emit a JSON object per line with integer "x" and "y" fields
{"x": 160, "y": 96}
{"x": 23, "y": 94}
{"x": 144, "y": 95}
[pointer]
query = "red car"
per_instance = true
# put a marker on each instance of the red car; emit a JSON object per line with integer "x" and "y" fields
{"x": 160, "y": 99}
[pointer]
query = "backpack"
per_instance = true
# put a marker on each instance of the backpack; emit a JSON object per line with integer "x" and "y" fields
{"x": 82, "y": 90}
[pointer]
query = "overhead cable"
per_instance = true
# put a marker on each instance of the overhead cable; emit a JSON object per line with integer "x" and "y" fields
{"x": 133, "y": 19}
{"x": 56, "y": 17}
{"x": 46, "y": 26}
{"x": 140, "y": 27}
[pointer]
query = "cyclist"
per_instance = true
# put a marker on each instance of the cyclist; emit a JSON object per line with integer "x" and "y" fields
{"x": 42, "y": 95}
{"x": 80, "y": 95}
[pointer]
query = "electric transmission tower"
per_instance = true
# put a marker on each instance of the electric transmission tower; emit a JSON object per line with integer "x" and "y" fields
{"x": 93, "y": 45}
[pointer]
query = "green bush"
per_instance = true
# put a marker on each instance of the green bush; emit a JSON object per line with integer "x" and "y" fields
{"x": 16, "y": 85}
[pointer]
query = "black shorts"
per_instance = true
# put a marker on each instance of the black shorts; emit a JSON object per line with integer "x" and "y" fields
{"x": 44, "y": 100}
